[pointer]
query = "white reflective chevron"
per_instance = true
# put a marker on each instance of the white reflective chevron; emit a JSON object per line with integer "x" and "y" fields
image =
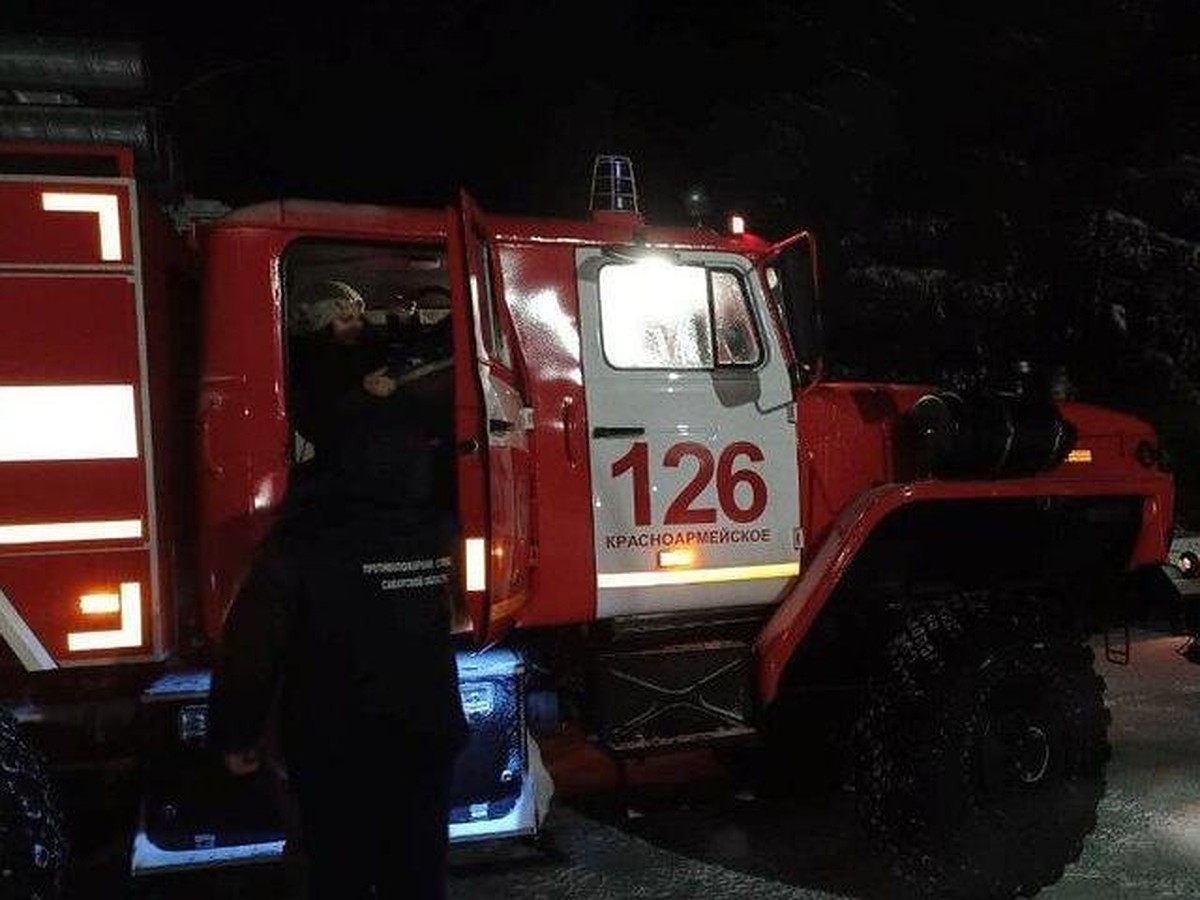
{"x": 106, "y": 209}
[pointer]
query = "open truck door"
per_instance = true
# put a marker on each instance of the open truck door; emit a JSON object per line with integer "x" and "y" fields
{"x": 491, "y": 425}
{"x": 500, "y": 786}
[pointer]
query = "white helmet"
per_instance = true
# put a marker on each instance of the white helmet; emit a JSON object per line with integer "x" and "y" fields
{"x": 323, "y": 302}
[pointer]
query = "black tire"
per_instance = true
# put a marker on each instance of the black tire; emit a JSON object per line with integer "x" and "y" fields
{"x": 980, "y": 754}
{"x": 33, "y": 833}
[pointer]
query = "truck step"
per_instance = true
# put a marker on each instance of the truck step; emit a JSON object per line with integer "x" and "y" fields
{"x": 675, "y": 695}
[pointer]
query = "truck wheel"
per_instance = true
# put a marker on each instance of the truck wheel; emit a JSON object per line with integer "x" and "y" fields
{"x": 979, "y": 757}
{"x": 33, "y": 839}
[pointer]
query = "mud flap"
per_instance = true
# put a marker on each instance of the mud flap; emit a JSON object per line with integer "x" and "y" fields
{"x": 195, "y": 816}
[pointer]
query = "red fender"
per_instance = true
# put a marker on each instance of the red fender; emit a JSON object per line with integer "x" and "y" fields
{"x": 791, "y": 621}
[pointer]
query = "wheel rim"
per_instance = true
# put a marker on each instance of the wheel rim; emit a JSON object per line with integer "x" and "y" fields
{"x": 1018, "y": 746}
{"x": 1031, "y": 754}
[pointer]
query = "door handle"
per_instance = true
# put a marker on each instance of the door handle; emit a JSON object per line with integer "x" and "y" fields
{"x": 574, "y": 432}
{"x": 605, "y": 431}
{"x": 209, "y": 405}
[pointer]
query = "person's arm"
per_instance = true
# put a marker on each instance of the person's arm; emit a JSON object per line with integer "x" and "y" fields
{"x": 249, "y": 662}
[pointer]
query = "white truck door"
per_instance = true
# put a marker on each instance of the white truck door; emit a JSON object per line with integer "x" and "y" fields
{"x": 691, "y": 434}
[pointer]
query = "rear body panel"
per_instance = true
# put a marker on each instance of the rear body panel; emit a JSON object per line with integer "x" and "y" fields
{"x": 86, "y": 440}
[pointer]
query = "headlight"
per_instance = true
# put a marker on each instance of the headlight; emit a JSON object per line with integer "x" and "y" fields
{"x": 1146, "y": 454}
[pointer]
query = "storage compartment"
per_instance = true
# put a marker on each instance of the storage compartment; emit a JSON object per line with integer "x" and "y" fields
{"x": 493, "y": 790}
{"x": 195, "y": 815}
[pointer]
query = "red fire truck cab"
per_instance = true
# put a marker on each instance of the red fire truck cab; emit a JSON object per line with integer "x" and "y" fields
{"x": 673, "y": 527}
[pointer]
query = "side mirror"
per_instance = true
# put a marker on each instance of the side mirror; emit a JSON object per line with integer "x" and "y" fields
{"x": 793, "y": 280}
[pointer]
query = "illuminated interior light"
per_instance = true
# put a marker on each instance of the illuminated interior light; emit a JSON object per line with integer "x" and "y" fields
{"x": 100, "y": 604}
{"x": 676, "y": 559}
{"x": 476, "y": 558}
{"x": 104, "y": 206}
{"x": 128, "y": 635}
{"x": 1079, "y": 456}
{"x": 737, "y": 225}
{"x": 59, "y": 532}
{"x": 57, "y": 422}
{"x": 697, "y": 576}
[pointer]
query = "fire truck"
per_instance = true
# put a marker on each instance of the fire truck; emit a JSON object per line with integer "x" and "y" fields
{"x": 677, "y": 530}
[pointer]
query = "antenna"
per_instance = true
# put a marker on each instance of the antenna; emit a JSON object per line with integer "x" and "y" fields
{"x": 613, "y": 185}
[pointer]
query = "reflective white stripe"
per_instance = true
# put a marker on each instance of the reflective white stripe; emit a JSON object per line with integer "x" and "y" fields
{"x": 56, "y": 422}
{"x": 697, "y": 576}
{"x": 55, "y": 532}
{"x": 476, "y": 553}
{"x": 128, "y": 635}
{"x": 20, "y": 637}
{"x": 104, "y": 206}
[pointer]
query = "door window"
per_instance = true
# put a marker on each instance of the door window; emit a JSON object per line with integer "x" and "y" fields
{"x": 491, "y": 328}
{"x": 658, "y": 315}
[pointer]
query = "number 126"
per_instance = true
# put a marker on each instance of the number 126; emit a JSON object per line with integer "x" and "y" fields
{"x": 682, "y": 510}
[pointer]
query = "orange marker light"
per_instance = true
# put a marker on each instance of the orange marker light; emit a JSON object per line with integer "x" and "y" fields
{"x": 476, "y": 564}
{"x": 676, "y": 559}
{"x": 100, "y": 604}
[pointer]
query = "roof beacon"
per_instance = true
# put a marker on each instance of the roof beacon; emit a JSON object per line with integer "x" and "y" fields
{"x": 613, "y": 185}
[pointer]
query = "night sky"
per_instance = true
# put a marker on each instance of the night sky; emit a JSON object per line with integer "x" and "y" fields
{"x": 787, "y": 105}
{"x": 406, "y": 102}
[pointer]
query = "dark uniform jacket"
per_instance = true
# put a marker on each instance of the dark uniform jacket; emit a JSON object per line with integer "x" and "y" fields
{"x": 346, "y": 614}
{"x": 326, "y": 380}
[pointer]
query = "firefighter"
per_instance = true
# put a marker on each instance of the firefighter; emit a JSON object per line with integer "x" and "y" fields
{"x": 338, "y": 361}
{"x": 345, "y": 615}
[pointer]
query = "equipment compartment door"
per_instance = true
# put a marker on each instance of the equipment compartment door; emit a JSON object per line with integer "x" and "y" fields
{"x": 77, "y": 518}
{"x": 494, "y": 486}
{"x": 691, "y": 434}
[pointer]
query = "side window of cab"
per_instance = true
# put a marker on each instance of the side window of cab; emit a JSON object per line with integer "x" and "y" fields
{"x": 354, "y": 310}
